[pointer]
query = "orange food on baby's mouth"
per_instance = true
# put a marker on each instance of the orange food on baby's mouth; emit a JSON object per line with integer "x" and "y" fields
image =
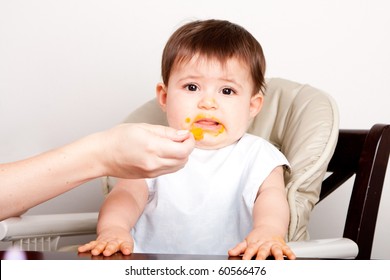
{"x": 197, "y": 132}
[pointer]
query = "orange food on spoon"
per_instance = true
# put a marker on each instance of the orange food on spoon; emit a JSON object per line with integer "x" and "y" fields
{"x": 197, "y": 132}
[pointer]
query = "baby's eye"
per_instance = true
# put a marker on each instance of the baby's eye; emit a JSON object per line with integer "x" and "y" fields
{"x": 191, "y": 87}
{"x": 227, "y": 91}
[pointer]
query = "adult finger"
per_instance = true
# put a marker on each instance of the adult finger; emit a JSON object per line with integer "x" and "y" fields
{"x": 166, "y": 148}
{"x": 169, "y": 132}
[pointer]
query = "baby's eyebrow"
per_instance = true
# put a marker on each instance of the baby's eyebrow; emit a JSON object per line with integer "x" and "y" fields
{"x": 190, "y": 77}
{"x": 232, "y": 81}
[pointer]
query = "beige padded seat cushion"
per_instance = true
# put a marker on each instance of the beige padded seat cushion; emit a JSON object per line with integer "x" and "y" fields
{"x": 302, "y": 122}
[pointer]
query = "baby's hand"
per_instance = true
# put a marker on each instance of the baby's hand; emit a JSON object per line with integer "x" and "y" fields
{"x": 109, "y": 242}
{"x": 262, "y": 249}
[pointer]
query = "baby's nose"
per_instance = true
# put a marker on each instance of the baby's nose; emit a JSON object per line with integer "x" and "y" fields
{"x": 208, "y": 103}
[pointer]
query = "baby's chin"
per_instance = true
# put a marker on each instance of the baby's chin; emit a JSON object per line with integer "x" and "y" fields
{"x": 211, "y": 142}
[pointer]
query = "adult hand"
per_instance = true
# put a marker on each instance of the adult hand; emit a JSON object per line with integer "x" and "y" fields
{"x": 127, "y": 151}
{"x": 135, "y": 150}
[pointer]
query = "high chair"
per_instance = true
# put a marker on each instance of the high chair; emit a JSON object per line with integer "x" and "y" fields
{"x": 303, "y": 122}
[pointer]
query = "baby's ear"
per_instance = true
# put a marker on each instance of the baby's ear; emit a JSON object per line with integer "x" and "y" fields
{"x": 161, "y": 93}
{"x": 256, "y": 104}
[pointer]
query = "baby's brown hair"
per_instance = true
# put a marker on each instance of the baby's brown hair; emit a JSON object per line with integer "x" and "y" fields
{"x": 219, "y": 39}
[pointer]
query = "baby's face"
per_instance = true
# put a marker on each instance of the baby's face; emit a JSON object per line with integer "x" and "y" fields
{"x": 213, "y": 100}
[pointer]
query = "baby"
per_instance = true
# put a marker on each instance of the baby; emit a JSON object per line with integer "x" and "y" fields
{"x": 230, "y": 197}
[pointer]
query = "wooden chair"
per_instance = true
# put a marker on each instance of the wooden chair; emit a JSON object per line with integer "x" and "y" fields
{"x": 365, "y": 154}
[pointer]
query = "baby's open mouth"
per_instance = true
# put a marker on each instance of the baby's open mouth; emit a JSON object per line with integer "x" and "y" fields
{"x": 207, "y": 125}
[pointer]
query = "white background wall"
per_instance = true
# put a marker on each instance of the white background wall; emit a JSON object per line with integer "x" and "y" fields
{"x": 70, "y": 68}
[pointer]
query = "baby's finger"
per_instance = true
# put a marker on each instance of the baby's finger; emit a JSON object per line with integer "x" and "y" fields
{"x": 277, "y": 252}
{"x": 126, "y": 248}
{"x": 263, "y": 251}
{"x": 87, "y": 247}
{"x": 238, "y": 250}
{"x": 111, "y": 248}
{"x": 99, "y": 248}
{"x": 288, "y": 253}
{"x": 250, "y": 251}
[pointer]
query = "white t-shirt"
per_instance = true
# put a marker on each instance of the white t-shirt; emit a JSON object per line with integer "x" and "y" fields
{"x": 206, "y": 207}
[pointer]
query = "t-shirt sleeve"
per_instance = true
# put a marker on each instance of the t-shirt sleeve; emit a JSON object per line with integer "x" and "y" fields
{"x": 264, "y": 158}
